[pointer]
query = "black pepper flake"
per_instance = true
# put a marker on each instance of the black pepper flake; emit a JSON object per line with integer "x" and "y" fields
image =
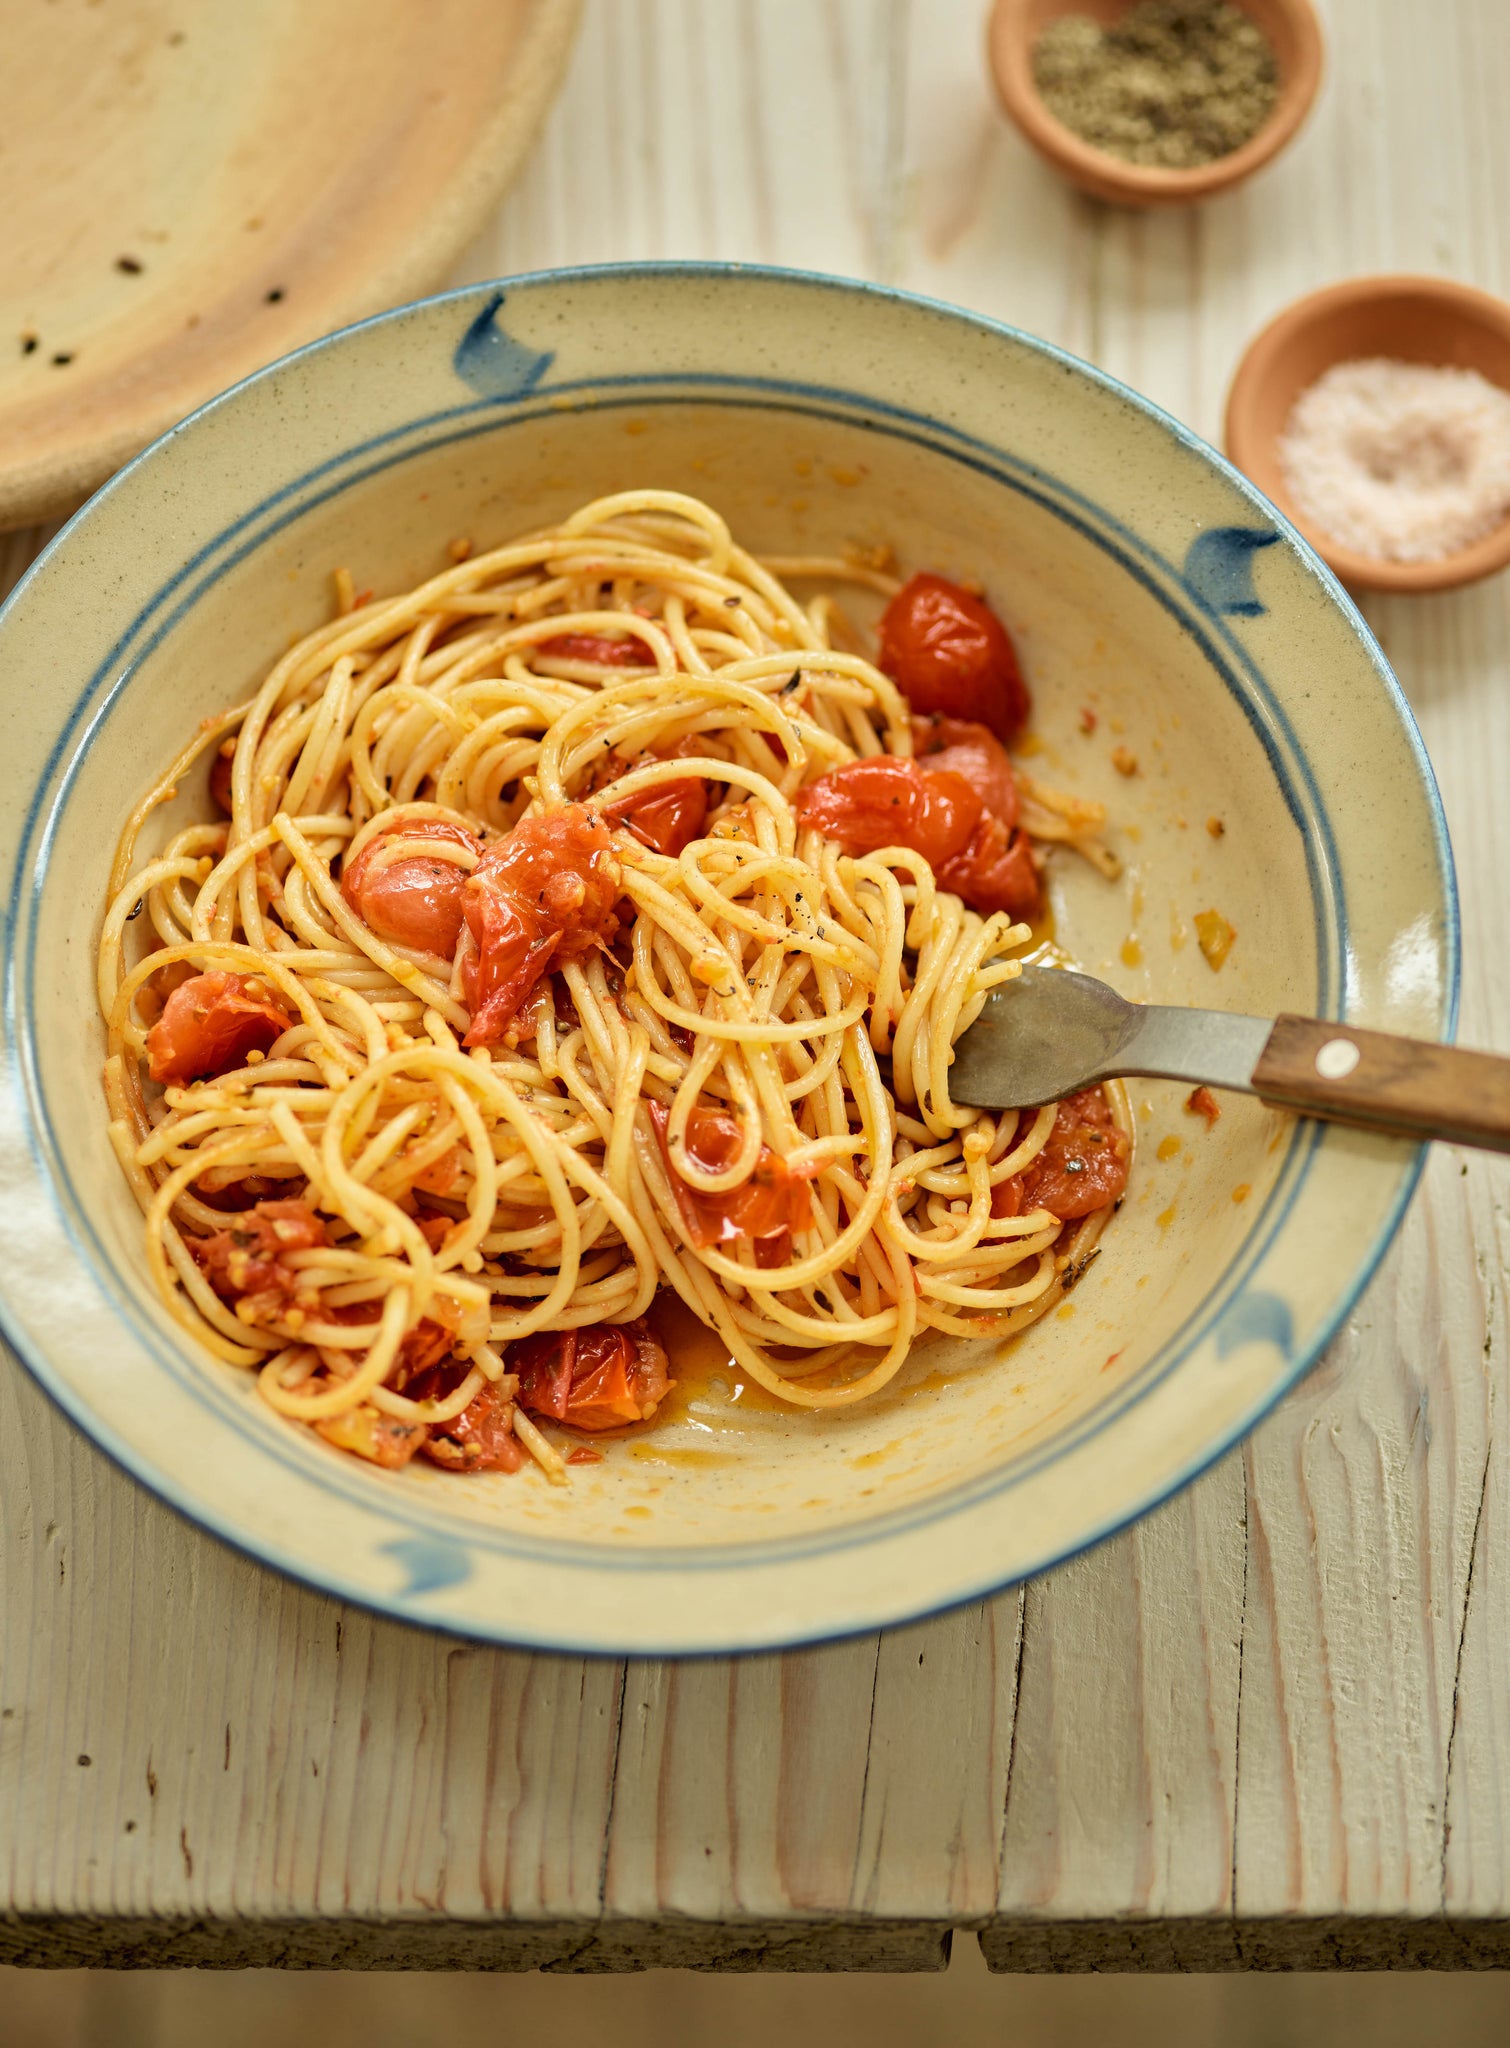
{"x": 63, "y": 358}
{"x": 29, "y": 344}
{"x": 132, "y": 915}
{"x": 731, "y": 602}
{"x": 132, "y": 265}
{"x": 86, "y": 1761}
{"x": 275, "y": 295}
{"x": 793, "y": 682}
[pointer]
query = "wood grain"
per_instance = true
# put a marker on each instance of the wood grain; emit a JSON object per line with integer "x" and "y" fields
{"x": 1404, "y": 1085}
{"x": 1269, "y": 1726}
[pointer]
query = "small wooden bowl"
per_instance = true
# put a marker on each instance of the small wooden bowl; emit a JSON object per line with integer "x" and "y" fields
{"x": 1413, "y": 320}
{"x": 1015, "y": 26}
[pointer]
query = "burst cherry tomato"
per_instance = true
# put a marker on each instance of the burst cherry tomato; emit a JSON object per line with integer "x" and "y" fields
{"x": 602, "y": 1377}
{"x": 208, "y": 1026}
{"x": 970, "y": 750}
{"x": 996, "y": 871}
{"x": 947, "y": 651}
{"x": 666, "y": 817}
{"x": 768, "y": 1207}
{"x": 413, "y": 900}
{"x": 886, "y": 801}
{"x": 480, "y": 1439}
{"x": 248, "y": 1258}
{"x": 1082, "y": 1167}
{"x": 541, "y": 895}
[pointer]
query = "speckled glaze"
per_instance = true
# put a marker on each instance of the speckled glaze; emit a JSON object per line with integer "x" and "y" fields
{"x": 1144, "y": 580}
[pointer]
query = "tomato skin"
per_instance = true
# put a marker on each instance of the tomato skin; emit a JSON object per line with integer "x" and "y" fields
{"x": 247, "y": 1258}
{"x": 541, "y": 895}
{"x": 208, "y": 1026}
{"x": 947, "y": 651}
{"x": 972, "y": 751}
{"x": 601, "y": 648}
{"x": 602, "y": 1377}
{"x": 667, "y": 817}
{"x": 767, "y": 1207}
{"x": 413, "y": 901}
{"x": 1083, "y": 1166}
{"x": 884, "y": 800}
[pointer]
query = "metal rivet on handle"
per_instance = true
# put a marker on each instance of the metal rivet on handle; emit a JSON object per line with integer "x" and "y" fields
{"x": 1337, "y": 1059}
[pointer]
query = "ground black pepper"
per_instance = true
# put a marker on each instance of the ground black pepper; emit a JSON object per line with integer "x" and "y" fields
{"x": 1173, "y": 84}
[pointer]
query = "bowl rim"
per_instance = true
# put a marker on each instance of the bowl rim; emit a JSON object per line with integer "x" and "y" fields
{"x": 403, "y": 1605}
{"x": 1110, "y": 177}
{"x": 1469, "y": 304}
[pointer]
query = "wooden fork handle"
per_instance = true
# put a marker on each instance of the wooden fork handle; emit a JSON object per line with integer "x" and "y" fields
{"x": 1383, "y": 1083}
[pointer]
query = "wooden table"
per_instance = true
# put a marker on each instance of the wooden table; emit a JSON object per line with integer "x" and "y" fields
{"x": 1268, "y": 1727}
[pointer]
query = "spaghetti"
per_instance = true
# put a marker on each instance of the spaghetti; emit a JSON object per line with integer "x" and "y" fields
{"x": 594, "y": 920}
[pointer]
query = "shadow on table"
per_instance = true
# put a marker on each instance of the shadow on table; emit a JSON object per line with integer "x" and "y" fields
{"x": 680, "y": 2009}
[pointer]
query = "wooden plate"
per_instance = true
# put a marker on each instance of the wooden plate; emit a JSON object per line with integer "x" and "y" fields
{"x": 191, "y": 191}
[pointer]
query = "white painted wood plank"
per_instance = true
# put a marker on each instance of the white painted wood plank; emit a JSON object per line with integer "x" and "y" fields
{"x": 1123, "y": 1760}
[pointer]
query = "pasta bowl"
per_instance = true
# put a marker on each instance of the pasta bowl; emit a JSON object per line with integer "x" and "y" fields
{"x": 1194, "y": 667}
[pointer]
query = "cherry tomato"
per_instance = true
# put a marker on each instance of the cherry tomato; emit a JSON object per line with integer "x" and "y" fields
{"x": 886, "y": 801}
{"x": 971, "y": 751}
{"x": 1082, "y": 1167}
{"x": 412, "y": 901}
{"x": 665, "y": 818}
{"x": 947, "y": 651}
{"x": 602, "y": 1377}
{"x": 209, "y": 1024}
{"x": 996, "y": 871}
{"x": 768, "y": 1207}
{"x": 248, "y": 1258}
{"x": 480, "y": 1439}
{"x": 541, "y": 895}
{"x": 220, "y": 781}
{"x": 629, "y": 652}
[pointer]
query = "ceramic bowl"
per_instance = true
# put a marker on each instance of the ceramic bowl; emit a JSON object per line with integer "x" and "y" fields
{"x": 1278, "y": 778}
{"x": 1413, "y": 320}
{"x": 1015, "y": 26}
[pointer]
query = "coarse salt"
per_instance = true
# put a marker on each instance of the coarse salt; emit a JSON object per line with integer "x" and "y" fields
{"x": 1406, "y": 462}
